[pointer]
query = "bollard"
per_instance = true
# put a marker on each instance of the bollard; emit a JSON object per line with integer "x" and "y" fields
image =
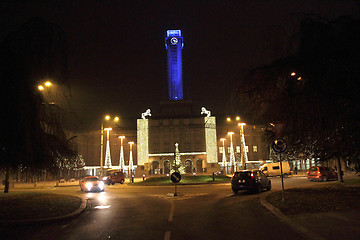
{"x": 213, "y": 176}
{"x": 132, "y": 178}
{"x": 143, "y": 177}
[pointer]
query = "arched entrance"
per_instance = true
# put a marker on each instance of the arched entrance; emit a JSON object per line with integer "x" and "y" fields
{"x": 188, "y": 166}
{"x": 199, "y": 168}
{"x": 166, "y": 167}
{"x": 155, "y": 167}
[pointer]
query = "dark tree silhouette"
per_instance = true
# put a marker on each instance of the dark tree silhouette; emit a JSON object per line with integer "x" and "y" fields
{"x": 31, "y": 134}
{"x": 320, "y": 102}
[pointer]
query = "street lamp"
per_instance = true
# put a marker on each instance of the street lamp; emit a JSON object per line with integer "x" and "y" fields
{"x": 108, "y": 156}
{"x": 121, "y": 162}
{"x": 242, "y": 145}
{"x": 107, "y": 118}
{"x": 131, "y": 163}
{"x": 232, "y": 155}
{"x": 223, "y": 162}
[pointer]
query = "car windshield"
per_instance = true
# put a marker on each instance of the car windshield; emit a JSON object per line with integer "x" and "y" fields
{"x": 313, "y": 169}
{"x": 94, "y": 179}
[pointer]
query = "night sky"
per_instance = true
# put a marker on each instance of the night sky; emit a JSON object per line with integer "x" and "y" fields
{"x": 117, "y": 57}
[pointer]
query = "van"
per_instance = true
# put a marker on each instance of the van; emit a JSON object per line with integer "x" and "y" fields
{"x": 273, "y": 169}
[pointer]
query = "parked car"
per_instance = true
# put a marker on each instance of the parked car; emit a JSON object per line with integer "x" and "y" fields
{"x": 273, "y": 169}
{"x": 322, "y": 174}
{"x": 251, "y": 180}
{"x": 91, "y": 183}
{"x": 114, "y": 177}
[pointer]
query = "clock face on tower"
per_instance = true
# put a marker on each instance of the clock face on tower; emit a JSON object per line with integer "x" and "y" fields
{"x": 174, "y": 40}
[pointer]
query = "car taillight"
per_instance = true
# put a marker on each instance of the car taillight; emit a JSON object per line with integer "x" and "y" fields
{"x": 233, "y": 175}
{"x": 318, "y": 172}
{"x": 252, "y": 175}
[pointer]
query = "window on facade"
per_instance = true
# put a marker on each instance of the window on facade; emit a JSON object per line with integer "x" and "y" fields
{"x": 228, "y": 149}
{"x": 255, "y": 149}
{"x": 221, "y": 150}
{"x": 237, "y": 149}
{"x": 247, "y": 148}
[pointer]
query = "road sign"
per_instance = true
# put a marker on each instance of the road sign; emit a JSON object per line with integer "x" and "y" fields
{"x": 175, "y": 177}
{"x": 278, "y": 128}
{"x": 279, "y": 145}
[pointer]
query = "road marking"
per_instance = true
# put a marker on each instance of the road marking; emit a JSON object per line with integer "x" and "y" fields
{"x": 171, "y": 216}
{"x": 167, "y": 235}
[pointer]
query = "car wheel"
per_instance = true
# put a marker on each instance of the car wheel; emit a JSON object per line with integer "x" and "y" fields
{"x": 324, "y": 178}
{"x": 112, "y": 183}
{"x": 269, "y": 186}
{"x": 259, "y": 189}
{"x": 122, "y": 181}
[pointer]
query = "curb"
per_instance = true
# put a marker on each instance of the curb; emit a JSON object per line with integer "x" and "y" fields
{"x": 76, "y": 213}
{"x": 297, "y": 227}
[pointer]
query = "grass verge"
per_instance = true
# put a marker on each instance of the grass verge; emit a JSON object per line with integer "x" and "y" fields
{"x": 32, "y": 205}
{"x": 185, "y": 179}
{"x": 329, "y": 197}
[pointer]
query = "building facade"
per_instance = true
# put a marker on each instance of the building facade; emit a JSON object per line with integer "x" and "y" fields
{"x": 196, "y": 139}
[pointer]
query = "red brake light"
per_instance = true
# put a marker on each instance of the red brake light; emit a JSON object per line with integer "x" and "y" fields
{"x": 318, "y": 172}
{"x": 252, "y": 174}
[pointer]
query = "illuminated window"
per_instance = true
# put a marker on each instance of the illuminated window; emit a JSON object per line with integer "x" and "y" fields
{"x": 255, "y": 149}
{"x": 247, "y": 148}
{"x": 221, "y": 149}
{"x": 228, "y": 149}
{"x": 237, "y": 149}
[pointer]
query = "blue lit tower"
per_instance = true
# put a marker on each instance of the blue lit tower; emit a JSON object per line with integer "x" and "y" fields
{"x": 174, "y": 44}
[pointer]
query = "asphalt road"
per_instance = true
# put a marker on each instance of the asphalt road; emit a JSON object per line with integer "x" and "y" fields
{"x": 148, "y": 212}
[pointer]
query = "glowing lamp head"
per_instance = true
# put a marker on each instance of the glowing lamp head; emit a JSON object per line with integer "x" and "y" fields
{"x": 48, "y": 83}
{"x": 107, "y": 117}
{"x": 116, "y": 119}
{"x": 40, "y": 87}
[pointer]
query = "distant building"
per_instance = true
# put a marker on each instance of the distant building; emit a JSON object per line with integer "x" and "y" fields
{"x": 175, "y": 122}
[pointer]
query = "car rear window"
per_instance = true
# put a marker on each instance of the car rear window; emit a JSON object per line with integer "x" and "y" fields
{"x": 313, "y": 169}
{"x": 243, "y": 174}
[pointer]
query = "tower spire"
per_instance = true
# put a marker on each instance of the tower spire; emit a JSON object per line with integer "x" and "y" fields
{"x": 174, "y": 44}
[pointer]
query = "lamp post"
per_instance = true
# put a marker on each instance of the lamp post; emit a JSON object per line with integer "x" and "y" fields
{"x": 106, "y": 118}
{"x": 108, "y": 156}
{"x": 223, "y": 162}
{"x": 232, "y": 155}
{"x": 131, "y": 163}
{"x": 121, "y": 162}
{"x": 242, "y": 146}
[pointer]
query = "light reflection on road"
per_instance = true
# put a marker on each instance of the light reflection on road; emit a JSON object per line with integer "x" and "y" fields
{"x": 99, "y": 200}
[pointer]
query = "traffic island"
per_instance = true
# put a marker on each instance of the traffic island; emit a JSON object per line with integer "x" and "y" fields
{"x": 327, "y": 211}
{"x": 34, "y": 207}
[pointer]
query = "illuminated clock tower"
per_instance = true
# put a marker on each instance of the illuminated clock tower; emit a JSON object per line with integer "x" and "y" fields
{"x": 174, "y": 44}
